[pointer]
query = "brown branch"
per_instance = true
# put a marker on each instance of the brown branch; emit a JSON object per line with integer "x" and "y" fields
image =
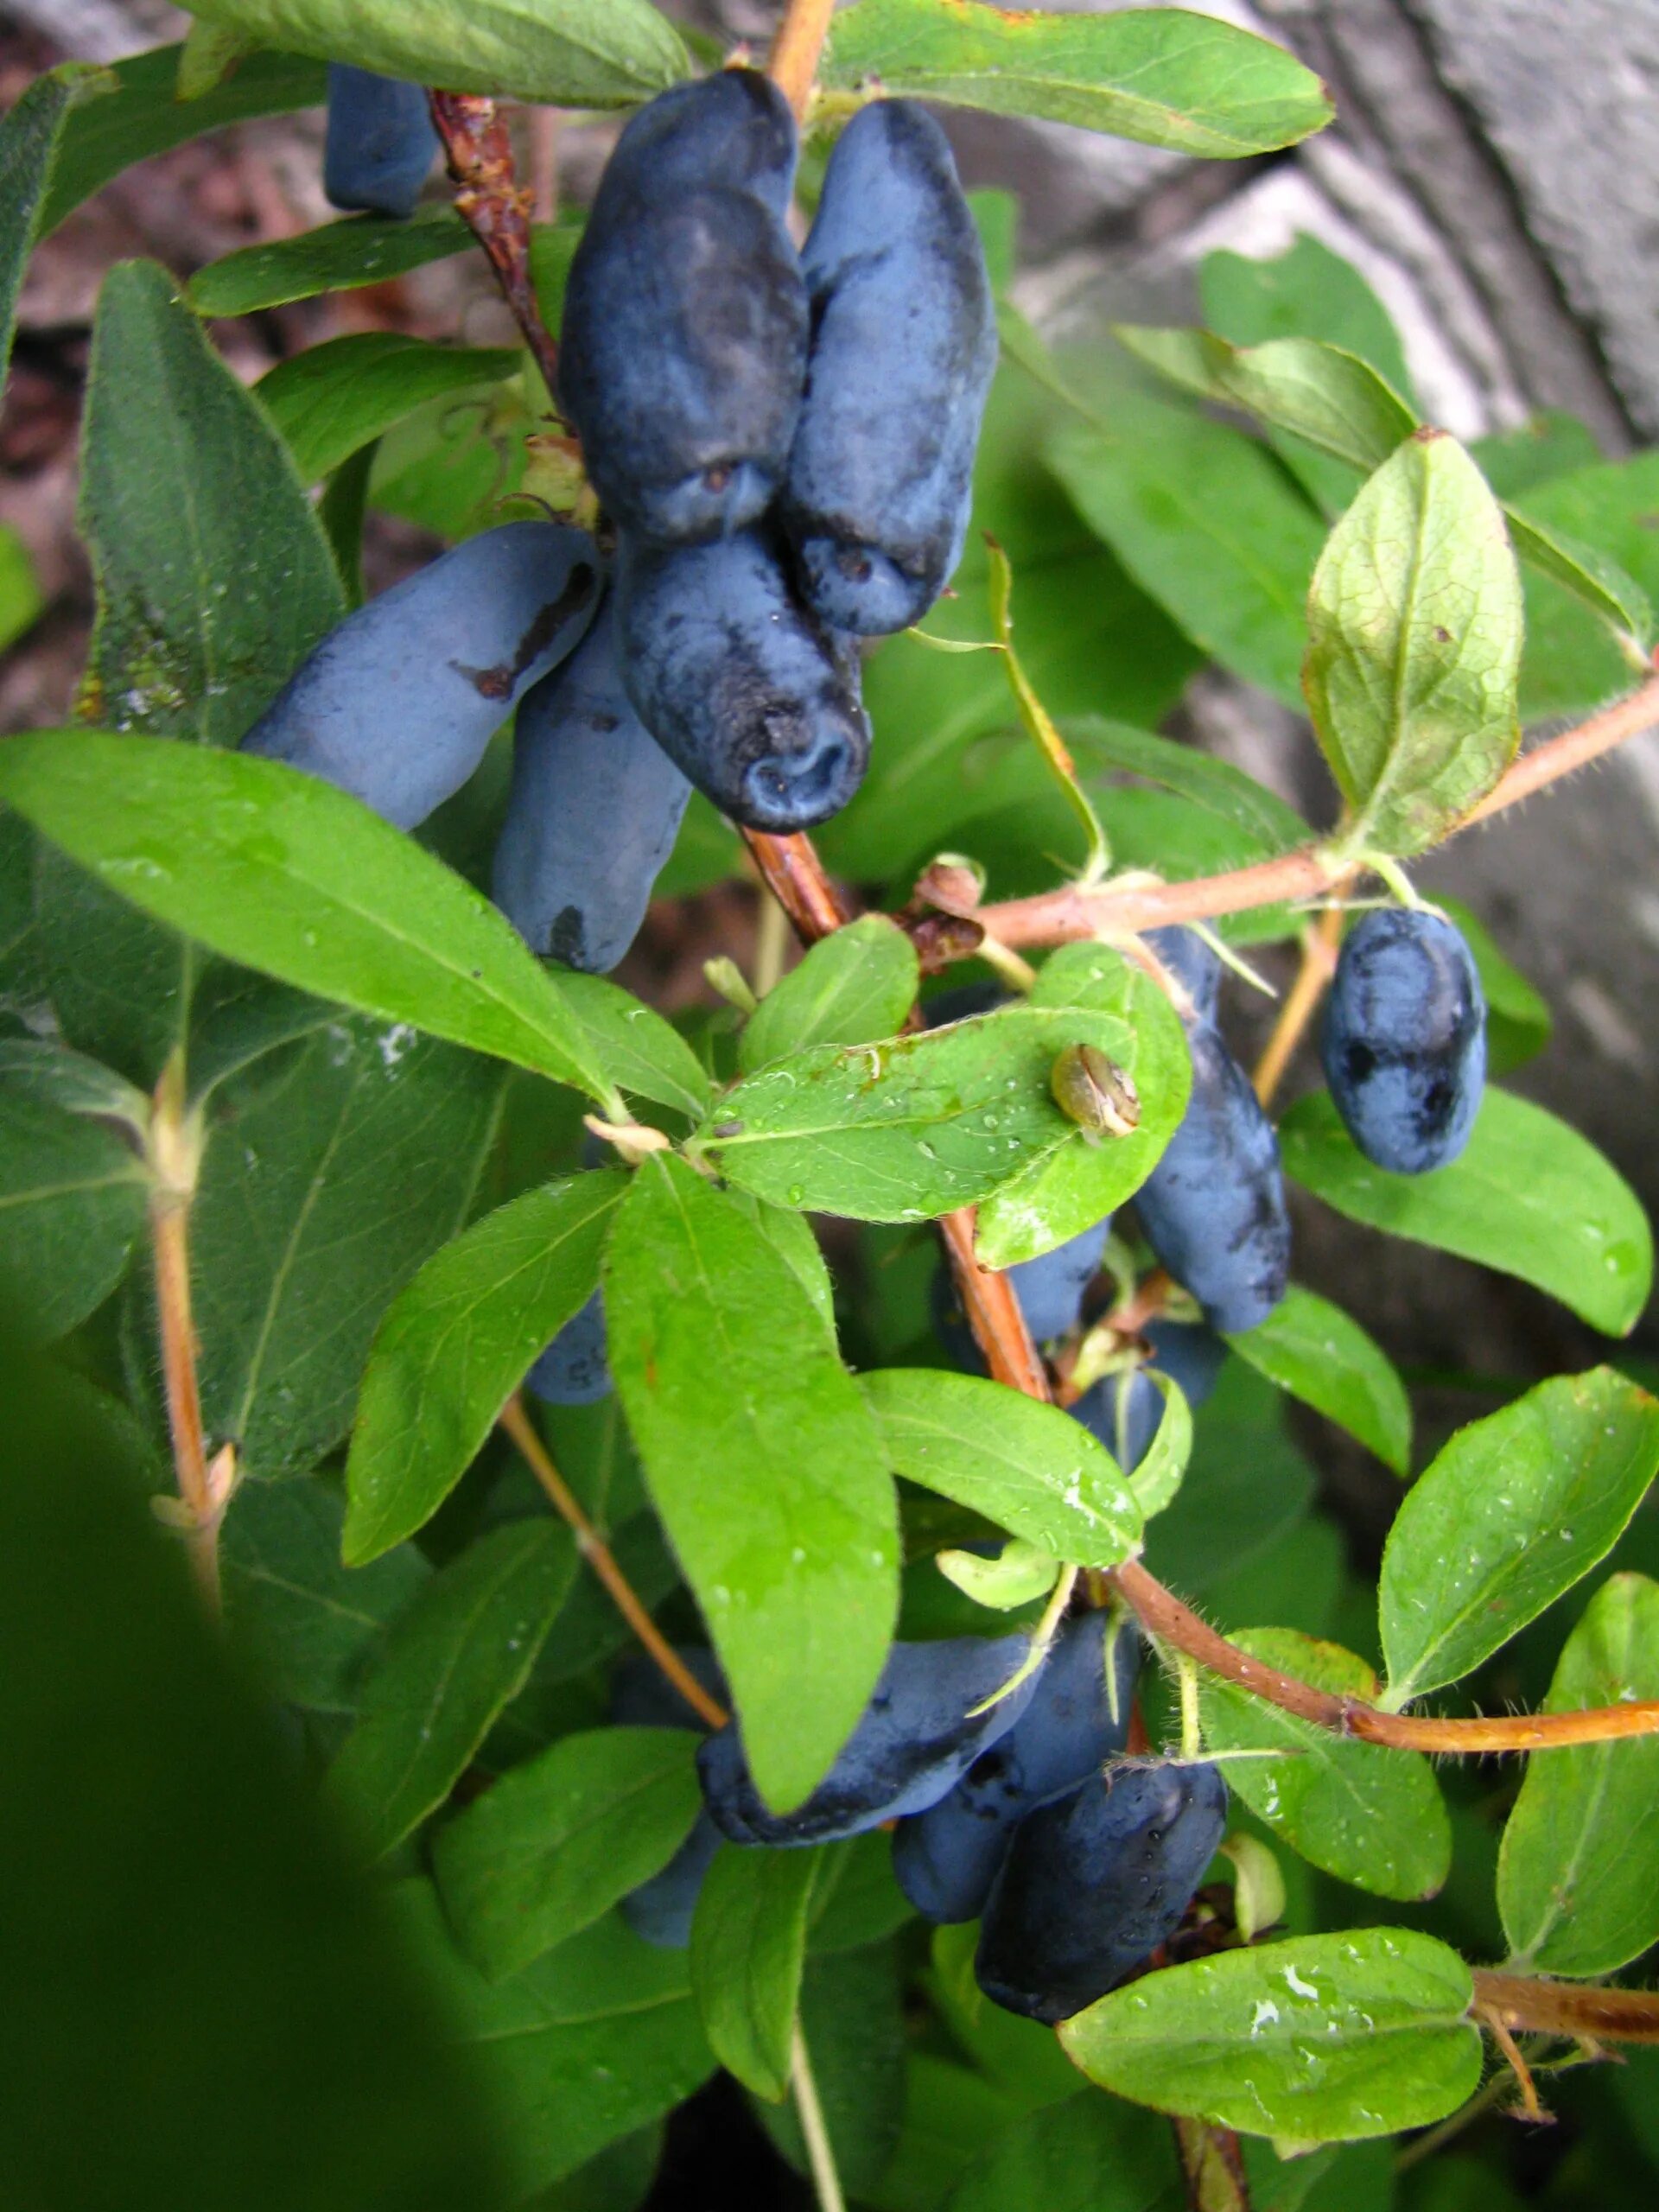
{"x": 598, "y": 1554}
{"x": 1065, "y": 916}
{"x": 992, "y": 1311}
{"x": 1565, "y": 2008}
{"x": 792, "y": 65}
{"x": 204, "y": 1490}
{"x": 794, "y": 874}
{"x": 1212, "y": 2167}
{"x": 1319, "y": 945}
{"x": 495, "y": 209}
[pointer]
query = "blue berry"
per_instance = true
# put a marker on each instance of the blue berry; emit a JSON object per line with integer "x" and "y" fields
{"x": 946, "y": 1859}
{"x": 1194, "y": 964}
{"x": 1189, "y": 1354}
{"x": 904, "y": 346}
{"x": 1122, "y": 1411}
{"x": 1404, "y": 1042}
{"x": 1094, "y": 1882}
{"x": 380, "y": 142}
{"x": 753, "y": 700}
{"x": 573, "y": 1370}
{"x": 1213, "y": 1208}
{"x": 915, "y": 1741}
{"x": 593, "y": 814}
{"x": 398, "y": 703}
{"x": 685, "y": 316}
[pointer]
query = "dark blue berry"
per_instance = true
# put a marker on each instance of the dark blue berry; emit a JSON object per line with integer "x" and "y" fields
{"x": 573, "y": 1370}
{"x": 1404, "y": 1043}
{"x": 685, "y": 317}
{"x": 398, "y": 703}
{"x": 1122, "y": 1411}
{"x": 380, "y": 142}
{"x": 1213, "y": 1208}
{"x": 594, "y": 810}
{"x": 1094, "y": 1882}
{"x": 904, "y": 346}
{"x": 1189, "y": 1354}
{"x": 746, "y": 690}
{"x": 946, "y": 1859}
{"x": 915, "y": 1740}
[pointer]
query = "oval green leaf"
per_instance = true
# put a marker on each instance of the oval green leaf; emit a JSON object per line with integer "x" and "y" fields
{"x": 338, "y": 257}
{"x": 1320, "y": 1355}
{"x": 855, "y": 988}
{"x": 72, "y": 1195}
{"x": 1529, "y": 1196}
{"x": 1511, "y": 1513}
{"x": 1322, "y": 2038}
{"x": 332, "y": 399}
{"x": 1322, "y": 393}
{"x": 748, "y": 1951}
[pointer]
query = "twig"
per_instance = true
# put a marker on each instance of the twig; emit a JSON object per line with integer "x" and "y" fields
{"x": 598, "y": 1554}
{"x": 173, "y": 1159}
{"x": 820, "y": 2152}
{"x": 1065, "y": 916}
{"x": 794, "y": 874}
{"x": 1518, "y": 2065}
{"x": 1301, "y": 1003}
{"x": 1578, "y": 2010}
{"x": 792, "y": 65}
{"x": 1212, "y": 2167}
{"x": 495, "y": 209}
{"x": 992, "y": 1311}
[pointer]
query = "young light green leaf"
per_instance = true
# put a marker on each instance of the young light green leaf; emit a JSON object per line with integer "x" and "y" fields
{"x": 1018, "y": 1574}
{"x": 73, "y": 1197}
{"x": 184, "y": 484}
{"x": 314, "y": 1206}
{"x": 31, "y": 1067}
{"x": 566, "y": 53}
{"x": 763, "y": 1463}
{"x": 22, "y": 601}
{"x": 1322, "y": 1355}
{"x": 1321, "y": 2039}
{"x": 748, "y": 1949}
{"x": 1414, "y": 632}
{"x": 30, "y": 136}
{"x": 906, "y": 1130}
{"x": 1163, "y": 76}
{"x": 562, "y": 1838}
{"x": 1518, "y": 1019}
{"x": 458, "y": 1655}
{"x": 1511, "y": 1514}
{"x": 332, "y": 399}
{"x": 1591, "y": 576}
{"x": 1330, "y": 397}
{"x": 1029, "y": 1467}
{"x": 308, "y": 1624}
{"x": 1368, "y": 1815}
{"x": 142, "y": 116}
{"x": 455, "y": 1344}
{"x": 1205, "y": 521}
{"x": 646, "y": 1055}
{"x": 1070, "y": 1187}
{"x": 338, "y": 257}
{"x": 1529, "y": 1196}
{"x": 854, "y": 989}
{"x": 1575, "y": 1873}
{"x": 1161, "y": 1468}
{"x": 299, "y": 880}
{"x": 209, "y": 56}
{"x": 594, "y": 2041}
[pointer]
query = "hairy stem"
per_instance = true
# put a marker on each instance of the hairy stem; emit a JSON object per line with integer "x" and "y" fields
{"x": 1212, "y": 2167}
{"x": 792, "y": 65}
{"x": 820, "y": 2152}
{"x": 204, "y": 1489}
{"x": 495, "y": 209}
{"x": 1577, "y": 2009}
{"x": 518, "y": 1426}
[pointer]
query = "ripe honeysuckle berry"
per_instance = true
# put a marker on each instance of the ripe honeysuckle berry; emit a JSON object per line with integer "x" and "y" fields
{"x": 1404, "y": 1040}
{"x": 380, "y": 142}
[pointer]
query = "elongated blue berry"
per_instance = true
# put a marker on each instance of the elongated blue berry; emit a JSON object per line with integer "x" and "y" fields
{"x": 1404, "y": 1042}
{"x": 380, "y": 142}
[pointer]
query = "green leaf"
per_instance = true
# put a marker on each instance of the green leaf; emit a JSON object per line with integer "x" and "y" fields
{"x": 1332, "y": 398}
{"x": 856, "y": 1900}
{"x": 908, "y": 1129}
{"x": 1509, "y": 1514}
{"x": 761, "y": 1460}
{"x": 1575, "y": 1873}
{"x": 1103, "y": 747}
{"x": 792, "y": 1235}
{"x": 316, "y": 1202}
{"x": 30, "y": 1067}
{"x": 852, "y": 2018}
{"x": 1159, "y": 75}
{"x": 566, "y": 53}
{"x": 1414, "y": 632}
{"x": 748, "y": 1951}
{"x": 1089, "y": 2154}
{"x": 1518, "y": 1019}
{"x": 1322, "y": 2038}
{"x": 191, "y": 1887}
{"x": 1613, "y": 597}
{"x": 1077, "y": 1183}
{"x": 308, "y": 1625}
{"x": 1244, "y": 1491}
{"x": 854, "y": 989}
{"x": 1307, "y": 291}
{"x": 71, "y": 1206}
{"x": 1368, "y": 1815}
{"x": 184, "y": 486}
{"x": 1549, "y": 443}
{"x": 30, "y": 137}
{"x": 559, "y": 1841}
{"x": 457, "y": 1343}
{"x": 1205, "y": 520}
{"x": 1018, "y": 1573}
{"x": 646, "y": 1055}
{"x": 1158, "y": 1474}
{"x": 332, "y": 399}
{"x": 22, "y": 601}
{"x": 282, "y": 872}
{"x": 1029, "y": 1467}
{"x": 454, "y": 1660}
{"x": 1322, "y": 1355}
{"x": 338, "y": 257}
{"x": 591, "y": 2043}
{"x": 207, "y": 58}
{"x": 1529, "y": 1196}
{"x": 142, "y": 118}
